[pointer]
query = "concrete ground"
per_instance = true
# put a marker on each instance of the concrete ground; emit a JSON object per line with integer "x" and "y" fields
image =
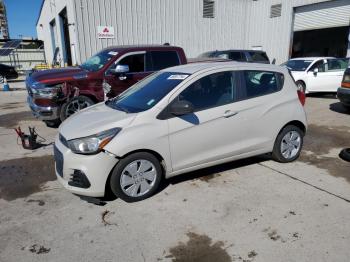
{"x": 249, "y": 210}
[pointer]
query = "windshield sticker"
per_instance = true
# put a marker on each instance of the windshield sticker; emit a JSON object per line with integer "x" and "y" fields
{"x": 113, "y": 53}
{"x": 177, "y": 77}
{"x": 150, "y": 102}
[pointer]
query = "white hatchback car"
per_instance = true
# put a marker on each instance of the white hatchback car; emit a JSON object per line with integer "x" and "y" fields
{"x": 317, "y": 74}
{"x": 178, "y": 120}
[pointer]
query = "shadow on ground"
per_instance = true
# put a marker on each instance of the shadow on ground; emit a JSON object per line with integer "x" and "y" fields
{"x": 339, "y": 108}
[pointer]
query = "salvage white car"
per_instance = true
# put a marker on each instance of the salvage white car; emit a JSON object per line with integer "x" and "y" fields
{"x": 317, "y": 74}
{"x": 178, "y": 120}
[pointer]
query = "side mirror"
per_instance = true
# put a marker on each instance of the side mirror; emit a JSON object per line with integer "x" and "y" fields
{"x": 315, "y": 71}
{"x": 119, "y": 70}
{"x": 180, "y": 108}
{"x": 273, "y": 61}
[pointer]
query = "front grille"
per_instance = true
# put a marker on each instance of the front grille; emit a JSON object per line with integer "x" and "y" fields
{"x": 63, "y": 140}
{"x": 59, "y": 161}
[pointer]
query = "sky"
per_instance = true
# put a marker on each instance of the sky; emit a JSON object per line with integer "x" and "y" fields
{"x": 22, "y": 16}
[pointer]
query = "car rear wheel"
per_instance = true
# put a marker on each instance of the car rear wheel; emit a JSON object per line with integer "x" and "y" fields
{"x": 301, "y": 86}
{"x": 136, "y": 177}
{"x": 2, "y": 79}
{"x": 75, "y": 105}
{"x": 288, "y": 144}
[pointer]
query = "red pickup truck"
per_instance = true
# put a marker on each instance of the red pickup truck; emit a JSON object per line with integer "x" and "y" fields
{"x": 56, "y": 94}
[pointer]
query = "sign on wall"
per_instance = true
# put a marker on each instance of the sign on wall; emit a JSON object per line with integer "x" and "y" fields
{"x": 105, "y": 31}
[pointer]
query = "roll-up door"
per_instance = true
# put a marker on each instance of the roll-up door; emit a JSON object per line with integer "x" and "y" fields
{"x": 322, "y": 15}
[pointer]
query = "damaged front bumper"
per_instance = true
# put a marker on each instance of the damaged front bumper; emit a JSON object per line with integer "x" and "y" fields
{"x": 84, "y": 175}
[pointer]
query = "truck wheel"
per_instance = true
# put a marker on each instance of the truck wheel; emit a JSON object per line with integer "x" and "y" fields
{"x": 72, "y": 106}
{"x": 136, "y": 177}
{"x": 288, "y": 144}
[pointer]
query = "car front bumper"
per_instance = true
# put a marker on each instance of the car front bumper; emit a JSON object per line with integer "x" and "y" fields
{"x": 344, "y": 95}
{"x": 95, "y": 170}
{"x": 41, "y": 112}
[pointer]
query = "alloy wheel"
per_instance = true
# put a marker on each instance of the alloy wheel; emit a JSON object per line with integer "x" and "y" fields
{"x": 75, "y": 106}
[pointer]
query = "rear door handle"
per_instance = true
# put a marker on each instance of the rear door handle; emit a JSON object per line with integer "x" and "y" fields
{"x": 230, "y": 113}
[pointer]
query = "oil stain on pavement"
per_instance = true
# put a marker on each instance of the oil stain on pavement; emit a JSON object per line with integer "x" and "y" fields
{"x": 318, "y": 143}
{"x": 25, "y": 176}
{"x": 11, "y": 120}
{"x": 199, "y": 248}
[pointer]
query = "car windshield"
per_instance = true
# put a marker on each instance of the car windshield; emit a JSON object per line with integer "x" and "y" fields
{"x": 297, "y": 65}
{"x": 98, "y": 61}
{"x": 146, "y": 93}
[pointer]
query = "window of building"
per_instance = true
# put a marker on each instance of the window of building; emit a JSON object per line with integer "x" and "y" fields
{"x": 208, "y": 9}
{"x": 211, "y": 91}
{"x": 275, "y": 10}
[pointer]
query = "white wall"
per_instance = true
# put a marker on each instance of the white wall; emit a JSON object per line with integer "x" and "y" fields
{"x": 178, "y": 22}
{"x": 50, "y": 11}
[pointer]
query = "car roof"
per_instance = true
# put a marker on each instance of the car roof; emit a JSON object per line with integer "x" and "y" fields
{"x": 236, "y": 50}
{"x": 312, "y": 58}
{"x": 123, "y": 48}
{"x": 201, "y": 67}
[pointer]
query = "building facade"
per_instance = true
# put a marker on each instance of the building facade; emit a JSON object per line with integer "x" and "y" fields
{"x": 73, "y": 30}
{"x": 4, "y": 29}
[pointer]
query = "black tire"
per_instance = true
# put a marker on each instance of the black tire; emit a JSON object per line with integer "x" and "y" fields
{"x": 53, "y": 123}
{"x": 66, "y": 109}
{"x": 277, "y": 154}
{"x": 115, "y": 180}
{"x": 2, "y": 79}
{"x": 345, "y": 154}
{"x": 301, "y": 85}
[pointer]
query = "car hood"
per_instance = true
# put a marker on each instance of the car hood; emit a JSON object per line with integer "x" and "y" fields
{"x": 93, "y": 120}
{"x": 58, "y": 75}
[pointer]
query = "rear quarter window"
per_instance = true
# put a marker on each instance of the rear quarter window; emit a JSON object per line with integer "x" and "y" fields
{"x": 261, "y": 83}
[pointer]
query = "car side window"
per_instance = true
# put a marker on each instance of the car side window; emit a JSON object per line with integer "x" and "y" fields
{"x": 258, "y": 56}
{"x": 337, "y": 64}
{"x": 260, "y": 83}
{"x": 320, "y": 65}
{"x": 236, "y": 56}
{"x": 135, "y": 62}
{"x": 211, "y": 91}
{"x": 158, "y": 60}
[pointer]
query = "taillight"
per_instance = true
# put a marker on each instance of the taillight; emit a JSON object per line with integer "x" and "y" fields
{"x": 346, "y": 79}
{"x": 302, "y": 97}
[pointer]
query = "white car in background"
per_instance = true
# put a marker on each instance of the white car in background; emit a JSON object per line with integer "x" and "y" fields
{"x": 317, "y": 74}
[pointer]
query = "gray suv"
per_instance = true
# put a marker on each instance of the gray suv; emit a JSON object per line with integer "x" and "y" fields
{"x": 252, "y": 56}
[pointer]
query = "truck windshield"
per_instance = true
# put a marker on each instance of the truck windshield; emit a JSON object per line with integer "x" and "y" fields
{"x": 146, "y": 93}
{"x": 98, "y": 61}
{"x": 297, "y": 65}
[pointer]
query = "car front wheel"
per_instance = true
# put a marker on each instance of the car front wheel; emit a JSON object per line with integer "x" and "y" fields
{"x": 288, "y": 144}
{"x": 136, "y": 177}
{"x": 76, "y": 104}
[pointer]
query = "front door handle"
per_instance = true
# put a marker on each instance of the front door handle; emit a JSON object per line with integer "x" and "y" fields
{"x": 230, "y": 113}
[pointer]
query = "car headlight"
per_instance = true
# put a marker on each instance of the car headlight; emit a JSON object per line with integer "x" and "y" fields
{"x": 92, "y": 144}
{"x": 48, "y": 91}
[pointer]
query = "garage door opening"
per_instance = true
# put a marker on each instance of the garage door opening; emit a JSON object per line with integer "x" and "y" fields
{"x": 321, "y": 42}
